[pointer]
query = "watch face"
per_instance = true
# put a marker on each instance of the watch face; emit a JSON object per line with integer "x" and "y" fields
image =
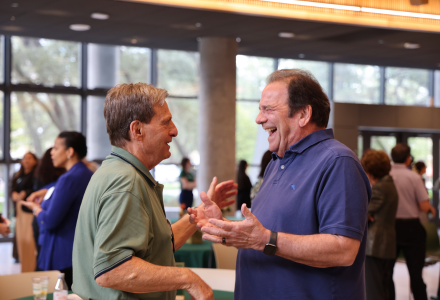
{"x": 270, "y": 249}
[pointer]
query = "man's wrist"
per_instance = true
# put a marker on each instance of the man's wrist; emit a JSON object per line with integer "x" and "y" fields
{"x": 265, "y": 237}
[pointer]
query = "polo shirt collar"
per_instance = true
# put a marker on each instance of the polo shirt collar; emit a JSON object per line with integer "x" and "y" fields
{"x": 136, "y": 162}
{"x": 308, "y": 141}
{"x": 399, "y": 166}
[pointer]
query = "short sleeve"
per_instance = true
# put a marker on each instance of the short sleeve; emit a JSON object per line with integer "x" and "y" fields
{"x": 420, "y": 190}
{"x": 344, "y": 193}
{"x": 122, "y": 231}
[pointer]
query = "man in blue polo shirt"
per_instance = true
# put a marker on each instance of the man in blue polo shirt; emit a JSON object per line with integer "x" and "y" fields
{"x": 305, "y": 237}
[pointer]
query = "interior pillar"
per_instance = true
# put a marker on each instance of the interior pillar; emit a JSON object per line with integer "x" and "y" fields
{"x": 103, "y": 66}
{"x": 216, "y": 110}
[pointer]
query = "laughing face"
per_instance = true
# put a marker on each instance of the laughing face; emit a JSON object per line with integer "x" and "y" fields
{"x": 274, "y": 117}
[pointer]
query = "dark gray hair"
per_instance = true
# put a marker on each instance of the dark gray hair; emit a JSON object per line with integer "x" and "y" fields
{"x": 126, "y": 103}
{"x": 304, "y": 90}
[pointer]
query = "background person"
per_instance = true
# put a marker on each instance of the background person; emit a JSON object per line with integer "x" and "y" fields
{"x": 4, "y": 226}
{"x": 22, "y": 186}
{"x": 57, "y": 216}
{"x": 411, "y": 236}
{"x": 244, "y": 185}
{"x": 265, "y": 160}
{"x": 46, "y": 176}
{"x": 381, "y": 237}
{"x": 188, "y": 182}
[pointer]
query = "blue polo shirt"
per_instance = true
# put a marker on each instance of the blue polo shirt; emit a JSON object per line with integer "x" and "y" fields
{"x": 319, "y": 186}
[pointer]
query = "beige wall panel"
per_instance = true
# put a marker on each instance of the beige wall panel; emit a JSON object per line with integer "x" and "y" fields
{"x": 348, "y": 136}
{"x": 414, "y": 117}
{"x": 378, "y": 115}
{"x": 346, "y": 114}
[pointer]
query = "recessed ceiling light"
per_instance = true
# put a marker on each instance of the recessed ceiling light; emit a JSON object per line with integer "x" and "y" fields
{"x": 79, "y": 27}
{"x": 134, "y": 41}
{"x": 99, "y": 16}
{"x": 380, "y": 42}
{"x": 198, "y": 39}
{"x": 286, "y": 35}
{"x": 411, "y": 46}
{"x": 301, "y": 55}
{"x": 198, "y": 25}
{"x": 238, "y": 40}
{"x": 12, "y": 18}
{"x": 14, "y": 4}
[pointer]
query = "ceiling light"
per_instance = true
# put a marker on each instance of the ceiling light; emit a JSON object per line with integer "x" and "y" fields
{"x": 134, "y": 41}
{"x": 287, "y": 35}
{"x": 14, "y": 4}
{"x": 411, "y": 46}
{"x": 198, "y": 25}
{"x": 99, "y": 16}
{"x": 12, "y": 18}
{"x": 380, "y": 42}
{"x": 79, "y": 27}
{"x": 317, "y": 4}
{"x": 399, "y": 13}
{"x": 238, "y": 40}
{"x": 301, "y": 55}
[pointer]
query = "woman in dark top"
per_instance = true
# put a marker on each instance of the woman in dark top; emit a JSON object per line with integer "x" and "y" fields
{"x": 57, "y": 215}
{"x": 265, "y": 160}
{"x": 22, "y": 187}
{"x": 45, "y": 174}
{"x": 188, "y": 182}
{"x": 244, "y": 186}
{"x": 381, "y": 238}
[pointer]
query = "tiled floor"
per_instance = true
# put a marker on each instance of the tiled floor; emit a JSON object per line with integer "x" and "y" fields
{"x": 401, "y": 278}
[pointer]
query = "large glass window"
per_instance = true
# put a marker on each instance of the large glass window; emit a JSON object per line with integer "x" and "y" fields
{"x": 246, "y": 130}
{"x": 37, "y": 119}
{"x": 3, "y": 198}
{"x": 1, "y": 125}
{"x": 319, "y": 69}
{"x": 178, "y": 72}
{"x": 251, "y": 75}
{"x": 405, "y": 86}
{"x": 385, "y": 143}
{"x": 45, "y": 62}
{"x": 421, "y": 150}
{"x": 356, "y": 83}
{"x": 135, "y": 65}
{"x": 185, "y": 116}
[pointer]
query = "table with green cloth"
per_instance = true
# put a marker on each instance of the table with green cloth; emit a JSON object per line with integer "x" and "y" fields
{"x": 196, "y": 255}
{"x": 218, "y": 295}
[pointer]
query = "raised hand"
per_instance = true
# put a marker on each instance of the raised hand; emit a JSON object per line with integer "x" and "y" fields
{"x": 248, "y": 233}
{"x": 219, "y": 194}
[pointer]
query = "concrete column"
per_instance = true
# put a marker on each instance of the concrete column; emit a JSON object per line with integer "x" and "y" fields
{"x": 216, "y": 110}
{"x": 103, "y": 67}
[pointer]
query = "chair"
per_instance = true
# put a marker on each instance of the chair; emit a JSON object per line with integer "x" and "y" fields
{"x": 225, "y": 257}
{"x": 20, "y": 285}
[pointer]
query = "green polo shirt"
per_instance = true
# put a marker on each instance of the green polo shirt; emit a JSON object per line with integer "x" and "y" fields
{"x": 121, "y": 216}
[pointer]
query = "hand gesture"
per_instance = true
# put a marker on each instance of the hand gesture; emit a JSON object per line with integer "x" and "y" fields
{"x": 198, "y": 289}
{"x": 4, "y": 227}
{"x": 37, "y": 196}
{"x": 219, "y": 194}
{"x": 248, "y": 233}
{"x": 30, "y": 205}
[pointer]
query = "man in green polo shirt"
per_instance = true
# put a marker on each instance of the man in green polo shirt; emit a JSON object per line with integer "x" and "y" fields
{"x": 123, "y": 246}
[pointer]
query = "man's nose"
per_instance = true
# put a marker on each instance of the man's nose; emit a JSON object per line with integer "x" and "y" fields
{"x": 173, "y": 131}
{"x": 260, "y": 118}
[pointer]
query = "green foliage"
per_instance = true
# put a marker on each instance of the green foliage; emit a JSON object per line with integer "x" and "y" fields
{"x": 135, "y": 65}
{"x": 246, "y": 130}
{"x": 251, "y": 75}
{"x": 356, "y": 83}
{"x": 406, "y": 86}
{"x": 178, "y": 72}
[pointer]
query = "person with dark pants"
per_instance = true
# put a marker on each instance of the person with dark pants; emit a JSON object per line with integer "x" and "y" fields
{"x": 381, "y": 238}
{"x": 188, "y": 182}
{"x": 411, "y": 236}
{"x": 244, "y": 186}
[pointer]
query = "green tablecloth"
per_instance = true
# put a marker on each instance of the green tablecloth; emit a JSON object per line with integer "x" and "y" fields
{"x": 218, "y": 295}
{"x": 196, "y": 255}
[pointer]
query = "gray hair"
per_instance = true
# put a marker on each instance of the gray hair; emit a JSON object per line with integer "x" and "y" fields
{"x": 126, "y": 103}
{"x": 286, "y": 74}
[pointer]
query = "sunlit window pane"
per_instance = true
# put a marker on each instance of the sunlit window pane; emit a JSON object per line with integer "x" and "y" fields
{"x": 2, "y": 47}
{"x": 1, "y": 125}
{"x": 319, "y": 69}
{"x": 37, "y": 119}
{"x": 251, "y": 75}
{"x": 406, "y": 86}
{"x": 3, "y": 199}
{"x": 421, "y": 150}
{"x": 185, "y": 116}
{"x": 134, "y": 65}
{"x": 246, "y": 130}
{"x": 356, "y": 83}
{"x": 45, "y": 62}
{"x": 178, "y": 72}
{"x": 384, "y": 143}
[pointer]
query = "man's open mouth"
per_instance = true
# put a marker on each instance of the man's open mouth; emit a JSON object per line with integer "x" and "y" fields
{"x": 271, "y": 130}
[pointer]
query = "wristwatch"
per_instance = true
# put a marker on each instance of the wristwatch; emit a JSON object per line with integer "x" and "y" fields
{"x": 271, "y": 247}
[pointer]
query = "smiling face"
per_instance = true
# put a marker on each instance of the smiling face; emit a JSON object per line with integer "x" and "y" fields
{"x": 274, "y": 117}
{"x": 158, "y": 134}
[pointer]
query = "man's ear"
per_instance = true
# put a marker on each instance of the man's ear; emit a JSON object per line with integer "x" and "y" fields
{"x": 305, "y": 115}
{"x": 135, "y": 131}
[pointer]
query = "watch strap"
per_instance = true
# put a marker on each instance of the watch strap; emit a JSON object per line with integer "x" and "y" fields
{"x": 273, "y": 238}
